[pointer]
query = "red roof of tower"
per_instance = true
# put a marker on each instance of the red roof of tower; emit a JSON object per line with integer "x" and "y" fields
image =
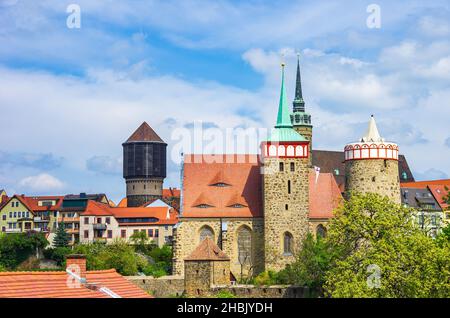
{"x": 144, "y": 133}
{"x": 207, "y": 250}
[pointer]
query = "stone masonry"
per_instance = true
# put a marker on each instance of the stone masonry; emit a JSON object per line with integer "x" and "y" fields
{"x": 373, "y": 175}
{"x": 284, "y": 212}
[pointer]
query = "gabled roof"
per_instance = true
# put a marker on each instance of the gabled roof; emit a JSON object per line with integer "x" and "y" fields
{"x": 144, "y": 133}
{"x": 324, "y": 196}
{"x": 242, "y": 172}
{"x": 161, "y": 213}
{"x": 32, "y": 203}
{"x": 424, "y": 184}
{"x": 207, "y": 250}
{"x": 54, "y": 285}
{"x": 439, "y": 192}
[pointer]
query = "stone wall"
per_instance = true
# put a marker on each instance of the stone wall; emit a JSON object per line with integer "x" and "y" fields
{"x": 251, "y": 291}
{"x": 284, "y": 212}
{"x": 142, "y": 190}
{"x": 163, "y": 287}
{"x": 187, "y": 238}
{"x": 375, "y": 176}
{"x": 197, "y": 279}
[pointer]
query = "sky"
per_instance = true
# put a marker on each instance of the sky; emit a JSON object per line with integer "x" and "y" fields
{"x": 69, "y": 97}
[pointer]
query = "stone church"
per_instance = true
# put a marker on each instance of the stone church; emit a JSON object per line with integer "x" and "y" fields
{"x": 258, "y": 208}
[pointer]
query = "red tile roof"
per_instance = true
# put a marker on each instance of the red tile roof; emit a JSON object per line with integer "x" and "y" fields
{"x": 207, "y": 250}
{"x": 439, "y": 191}
{"x": 242, "y": 172}
{"x": 144, "y": 133}
{"x": 54, "y": 285}
{"x": 324, "y": 196}
{"x": 424, "y": 184}
{"x": 33, "y": 202}
{"x": 244, "y": 180}
{"x": 100, "y": 209}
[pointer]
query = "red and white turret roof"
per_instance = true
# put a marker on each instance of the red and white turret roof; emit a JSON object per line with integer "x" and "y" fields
{"x": 371, "y": 146}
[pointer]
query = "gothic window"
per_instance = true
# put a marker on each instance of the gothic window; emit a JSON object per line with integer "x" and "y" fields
{"x": 321, "y": 231}
{"x": 287, "y": 243}
{"x": 244, "y": 241}
{"x": 205, "y": 232}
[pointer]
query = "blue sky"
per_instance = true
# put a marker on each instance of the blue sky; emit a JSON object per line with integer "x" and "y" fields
{"x": 70, "y": 97}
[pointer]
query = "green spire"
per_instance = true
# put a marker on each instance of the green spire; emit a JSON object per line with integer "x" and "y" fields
{"x": 284, "y": 117}
{"x": 283, "y": 129}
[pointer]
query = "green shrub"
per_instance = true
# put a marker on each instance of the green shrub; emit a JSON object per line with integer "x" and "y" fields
{"x": 225, "y": 294}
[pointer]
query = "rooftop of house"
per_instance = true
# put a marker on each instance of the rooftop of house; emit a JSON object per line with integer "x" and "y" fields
{"x": 165, "y": 215}
{"x": 167, "y": 194}
{"x": 419, "y": 198}
{"x": 232, "y": 187}
{"x": 424, "y": 184}
{"x": 61, "y": 284}
{"x": 35, "y": 203}
{"x": 207, "y": 250}
{"x": 439, "y": 191}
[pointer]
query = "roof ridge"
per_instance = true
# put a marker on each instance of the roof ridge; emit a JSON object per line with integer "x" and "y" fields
{"x": 61, "y": 272}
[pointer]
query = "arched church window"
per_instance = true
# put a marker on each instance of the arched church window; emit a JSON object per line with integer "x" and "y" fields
{"x": 321, "y": 231}
{"x": 287, "y": 243}
{"x": 205, "y": 232}
{"x": 244, "y": 241}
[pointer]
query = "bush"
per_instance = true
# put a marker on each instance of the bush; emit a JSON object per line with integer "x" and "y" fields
{"x": 266, "y": 279}
{"x": 16, "y": 248}
{"x": 58, "y": 254}
{"x": 156, "y": 270}
{"x": 225, "y": 294}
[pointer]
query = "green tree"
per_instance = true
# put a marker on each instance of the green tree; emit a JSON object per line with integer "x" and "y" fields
{"x": 383, "y": 253}
{"x": 140, "y": 241}
{"x": 15, "y": 248}
{"x": 61, "y": 239}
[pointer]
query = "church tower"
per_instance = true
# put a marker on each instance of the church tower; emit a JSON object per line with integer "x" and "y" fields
{"x": 144, "y": 165}
{"x": 371, "y": 165}
{"x": 285, "y": 168}
{"x": 301, "y": 120}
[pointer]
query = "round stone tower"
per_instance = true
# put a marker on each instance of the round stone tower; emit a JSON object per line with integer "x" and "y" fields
{"x": 371, "y": 165}
{"x": 144, "y": 165}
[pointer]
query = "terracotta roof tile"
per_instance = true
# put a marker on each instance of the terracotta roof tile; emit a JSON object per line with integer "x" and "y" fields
{"x": 424, "y": 184}
{"x": 207, "y": 251}
{"x": 241, "y": 171}
{"x": 439, "y": 191}
{"x": 324, "y": 196}
{"x": 54, "y": 285}
{"x": 144, "y": 133}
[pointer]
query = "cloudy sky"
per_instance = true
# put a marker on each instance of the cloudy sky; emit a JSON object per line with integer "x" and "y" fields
{"x": 70, "y": 96}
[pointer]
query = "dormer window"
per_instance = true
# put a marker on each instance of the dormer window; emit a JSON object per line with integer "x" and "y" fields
{"x": 220, "y": 184}
{"x": 237, "y": 206}
{"x": 203, "y": 206}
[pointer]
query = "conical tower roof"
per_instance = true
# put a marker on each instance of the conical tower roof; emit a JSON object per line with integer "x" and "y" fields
{"x": 145, "y": 133}
{"x": 207, "y": 251}
{"x": 372, "y": 134}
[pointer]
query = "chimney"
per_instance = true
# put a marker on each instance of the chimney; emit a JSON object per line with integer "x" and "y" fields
{"x": 76, "y": 263}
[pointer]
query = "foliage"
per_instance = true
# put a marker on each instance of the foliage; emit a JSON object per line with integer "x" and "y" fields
{"x": 373, "y": 233}
{"x": 162, "y": 261}
{"x": 314, "y": 260}
{"x": 225, "y": 294}
{"x": 443, "y": 239}
{"x": 140, "y": 241}
{"x": 57, "y": 254}
{"x": 15, "y": 248}
{"x": 118, "y": 255}
{"x": 446, "y": 198}
{"x": 30, "y": 264}
{"x": 61, "y": 239}
{"x": 267, "y": 278}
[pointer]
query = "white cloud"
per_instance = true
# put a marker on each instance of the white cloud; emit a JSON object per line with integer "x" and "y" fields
{"x": 41, "y": 183}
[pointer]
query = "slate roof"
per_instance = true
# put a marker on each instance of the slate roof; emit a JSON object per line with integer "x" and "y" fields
{"x": 144, "y": 133}
{"x": 329, "y": 161}
{"x": 207, "y": 250}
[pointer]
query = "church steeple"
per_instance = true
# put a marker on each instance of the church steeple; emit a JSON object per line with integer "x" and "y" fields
{"x": 283, "y": 118}
{"x": 299, "y": 103}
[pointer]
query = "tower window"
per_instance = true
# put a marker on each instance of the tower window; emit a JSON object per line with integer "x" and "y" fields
{"x": 289, "y": 186}
{"x": 373, "y": 179}
{"x": 286, "y": 207}
{"x": 145, "y": 186}
{"x": 287, "y": 243}
{"x": 281, "y": 166}
{"x": 292, "y": 167}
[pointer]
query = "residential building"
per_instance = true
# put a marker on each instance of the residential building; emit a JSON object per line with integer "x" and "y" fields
{"x": 102, "y": 223}
{"x": 75, "y": 282}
